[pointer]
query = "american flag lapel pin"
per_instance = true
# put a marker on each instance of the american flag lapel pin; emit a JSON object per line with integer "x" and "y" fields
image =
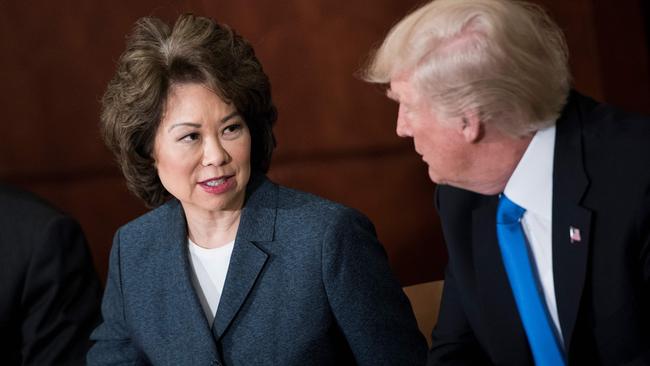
{"x": 574, "y": 234}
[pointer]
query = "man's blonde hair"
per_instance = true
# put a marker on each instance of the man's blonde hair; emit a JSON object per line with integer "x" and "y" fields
{"x": 503, "y": 60}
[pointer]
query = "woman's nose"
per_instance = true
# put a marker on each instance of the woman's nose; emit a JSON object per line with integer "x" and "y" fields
{"x": 214, "y": 153}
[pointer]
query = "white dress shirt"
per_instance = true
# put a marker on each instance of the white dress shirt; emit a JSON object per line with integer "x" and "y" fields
{"x": 531, "y": 187}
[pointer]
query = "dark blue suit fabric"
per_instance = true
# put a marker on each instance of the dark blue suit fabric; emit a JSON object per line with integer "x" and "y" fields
{"x": 601, "y": 185}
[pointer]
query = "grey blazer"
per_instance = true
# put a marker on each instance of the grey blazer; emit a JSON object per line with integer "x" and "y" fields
{"x": 308, "y": 284}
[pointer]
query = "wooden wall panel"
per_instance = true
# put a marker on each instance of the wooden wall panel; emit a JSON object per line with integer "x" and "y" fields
{"x": 576, "y": 20}
{"x": 624, "y": 58}
{"x": 336, "y": 134}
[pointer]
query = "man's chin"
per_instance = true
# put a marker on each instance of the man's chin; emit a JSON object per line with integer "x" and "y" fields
{"x": 436, "y": 179}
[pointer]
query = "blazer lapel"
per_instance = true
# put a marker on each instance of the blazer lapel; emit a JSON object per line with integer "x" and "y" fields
{"x": 257, "y": 225}
{"x": 182, "y": 316}
{"x": 571, "y": 222}
{"x": 502, "y": 323}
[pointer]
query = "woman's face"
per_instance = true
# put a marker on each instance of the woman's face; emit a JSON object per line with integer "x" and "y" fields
{"x": 202, "y": 151}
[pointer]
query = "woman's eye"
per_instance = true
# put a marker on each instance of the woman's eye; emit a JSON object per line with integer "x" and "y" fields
{"x": 190, "y": 137}
{"x": 232, "y": 130}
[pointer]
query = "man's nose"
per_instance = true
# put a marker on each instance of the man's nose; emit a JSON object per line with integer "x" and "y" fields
{"x": 403, "y": 127}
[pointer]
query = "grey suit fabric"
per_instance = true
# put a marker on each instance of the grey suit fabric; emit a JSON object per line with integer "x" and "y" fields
{"x": 308, "y": 284}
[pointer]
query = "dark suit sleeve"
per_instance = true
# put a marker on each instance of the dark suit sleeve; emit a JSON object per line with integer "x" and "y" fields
{"x": 453, "y": 341}
{"x": 644, "y": 225}
{"x": 645, "y": 237}
{"x": 61, "y": 296}
{"x": 367, "y": 301}
{"x": 113, "y": 344}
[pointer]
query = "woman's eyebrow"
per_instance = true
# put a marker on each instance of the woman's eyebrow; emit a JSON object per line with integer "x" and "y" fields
{"x": 190, "y": 124}
{"x": 230, "y": 116}
{"x": 197, "y": 125}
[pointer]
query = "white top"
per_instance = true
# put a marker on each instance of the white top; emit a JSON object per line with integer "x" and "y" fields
{"x": 531, "y": 187}
{"x": 209, "y": 267}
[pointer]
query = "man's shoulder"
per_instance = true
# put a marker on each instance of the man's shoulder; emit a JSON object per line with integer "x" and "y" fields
{"x": 29, "y": 224}
{"x": 607, "y": 124}
{"x": 20, "y": 207}
{"x": 614, "y": 142}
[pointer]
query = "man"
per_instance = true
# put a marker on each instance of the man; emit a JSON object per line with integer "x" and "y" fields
{"x": 544, "y": 194}
{"x": 49, "y": 291}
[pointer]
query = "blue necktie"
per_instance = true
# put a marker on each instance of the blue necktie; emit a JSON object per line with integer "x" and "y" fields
{"x": 519, "y": 267}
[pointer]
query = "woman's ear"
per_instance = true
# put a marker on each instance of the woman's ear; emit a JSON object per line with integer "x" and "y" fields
{"x": 472, "y": 128}
{"x": 153, "y": 154}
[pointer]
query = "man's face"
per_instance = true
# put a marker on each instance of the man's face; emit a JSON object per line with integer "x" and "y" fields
{"x": 441, "y": 144}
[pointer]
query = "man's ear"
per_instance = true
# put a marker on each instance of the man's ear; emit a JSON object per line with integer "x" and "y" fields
{"x": 471, "y": 127}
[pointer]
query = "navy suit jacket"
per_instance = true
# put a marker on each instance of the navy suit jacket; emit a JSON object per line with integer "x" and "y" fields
{"x": 601, "y": 185}
{"x": 49, "y": 291}
{"x": 308, "y": 284}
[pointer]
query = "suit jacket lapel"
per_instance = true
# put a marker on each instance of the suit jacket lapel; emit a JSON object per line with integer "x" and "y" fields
{"x": 256, "y": 225}
{"x": 569, "y": 184}
{"x": 182, "y": 315}
{"x": 502, "y": 323}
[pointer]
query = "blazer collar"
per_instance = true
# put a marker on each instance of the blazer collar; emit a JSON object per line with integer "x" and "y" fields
{"x": 258, "y": 215}
{"x": 248, "y": 258}
{"x": 256, "y": 226}
{"x": 181, "y": 314}
{"x": 570, "y": 183}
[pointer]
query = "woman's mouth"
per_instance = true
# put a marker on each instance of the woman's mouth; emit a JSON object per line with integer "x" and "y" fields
{"x": 214, "y": 182}
{"x": 219, "y": 184}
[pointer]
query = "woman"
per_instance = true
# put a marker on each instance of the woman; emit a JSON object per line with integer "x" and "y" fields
{"x": 231, "y": 268}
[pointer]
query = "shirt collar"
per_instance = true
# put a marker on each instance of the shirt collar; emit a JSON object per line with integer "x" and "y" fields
{"x": 531, "y": 184}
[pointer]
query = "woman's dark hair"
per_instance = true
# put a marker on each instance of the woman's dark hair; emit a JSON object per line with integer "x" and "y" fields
{"x": 195, "y": 50}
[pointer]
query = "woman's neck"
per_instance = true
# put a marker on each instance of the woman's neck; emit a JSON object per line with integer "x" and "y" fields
{"x": 212, "y": 230}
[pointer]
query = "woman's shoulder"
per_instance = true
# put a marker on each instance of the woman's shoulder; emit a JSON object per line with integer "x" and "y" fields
{"x": 308, "y": 220}
{"x": 307, "y": 208}
{"x": 155, "y": 221}
{"x": 152, "y": 237}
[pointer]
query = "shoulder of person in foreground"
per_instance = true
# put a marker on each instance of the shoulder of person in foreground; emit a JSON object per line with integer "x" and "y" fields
{"x": 49, "y": 300}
